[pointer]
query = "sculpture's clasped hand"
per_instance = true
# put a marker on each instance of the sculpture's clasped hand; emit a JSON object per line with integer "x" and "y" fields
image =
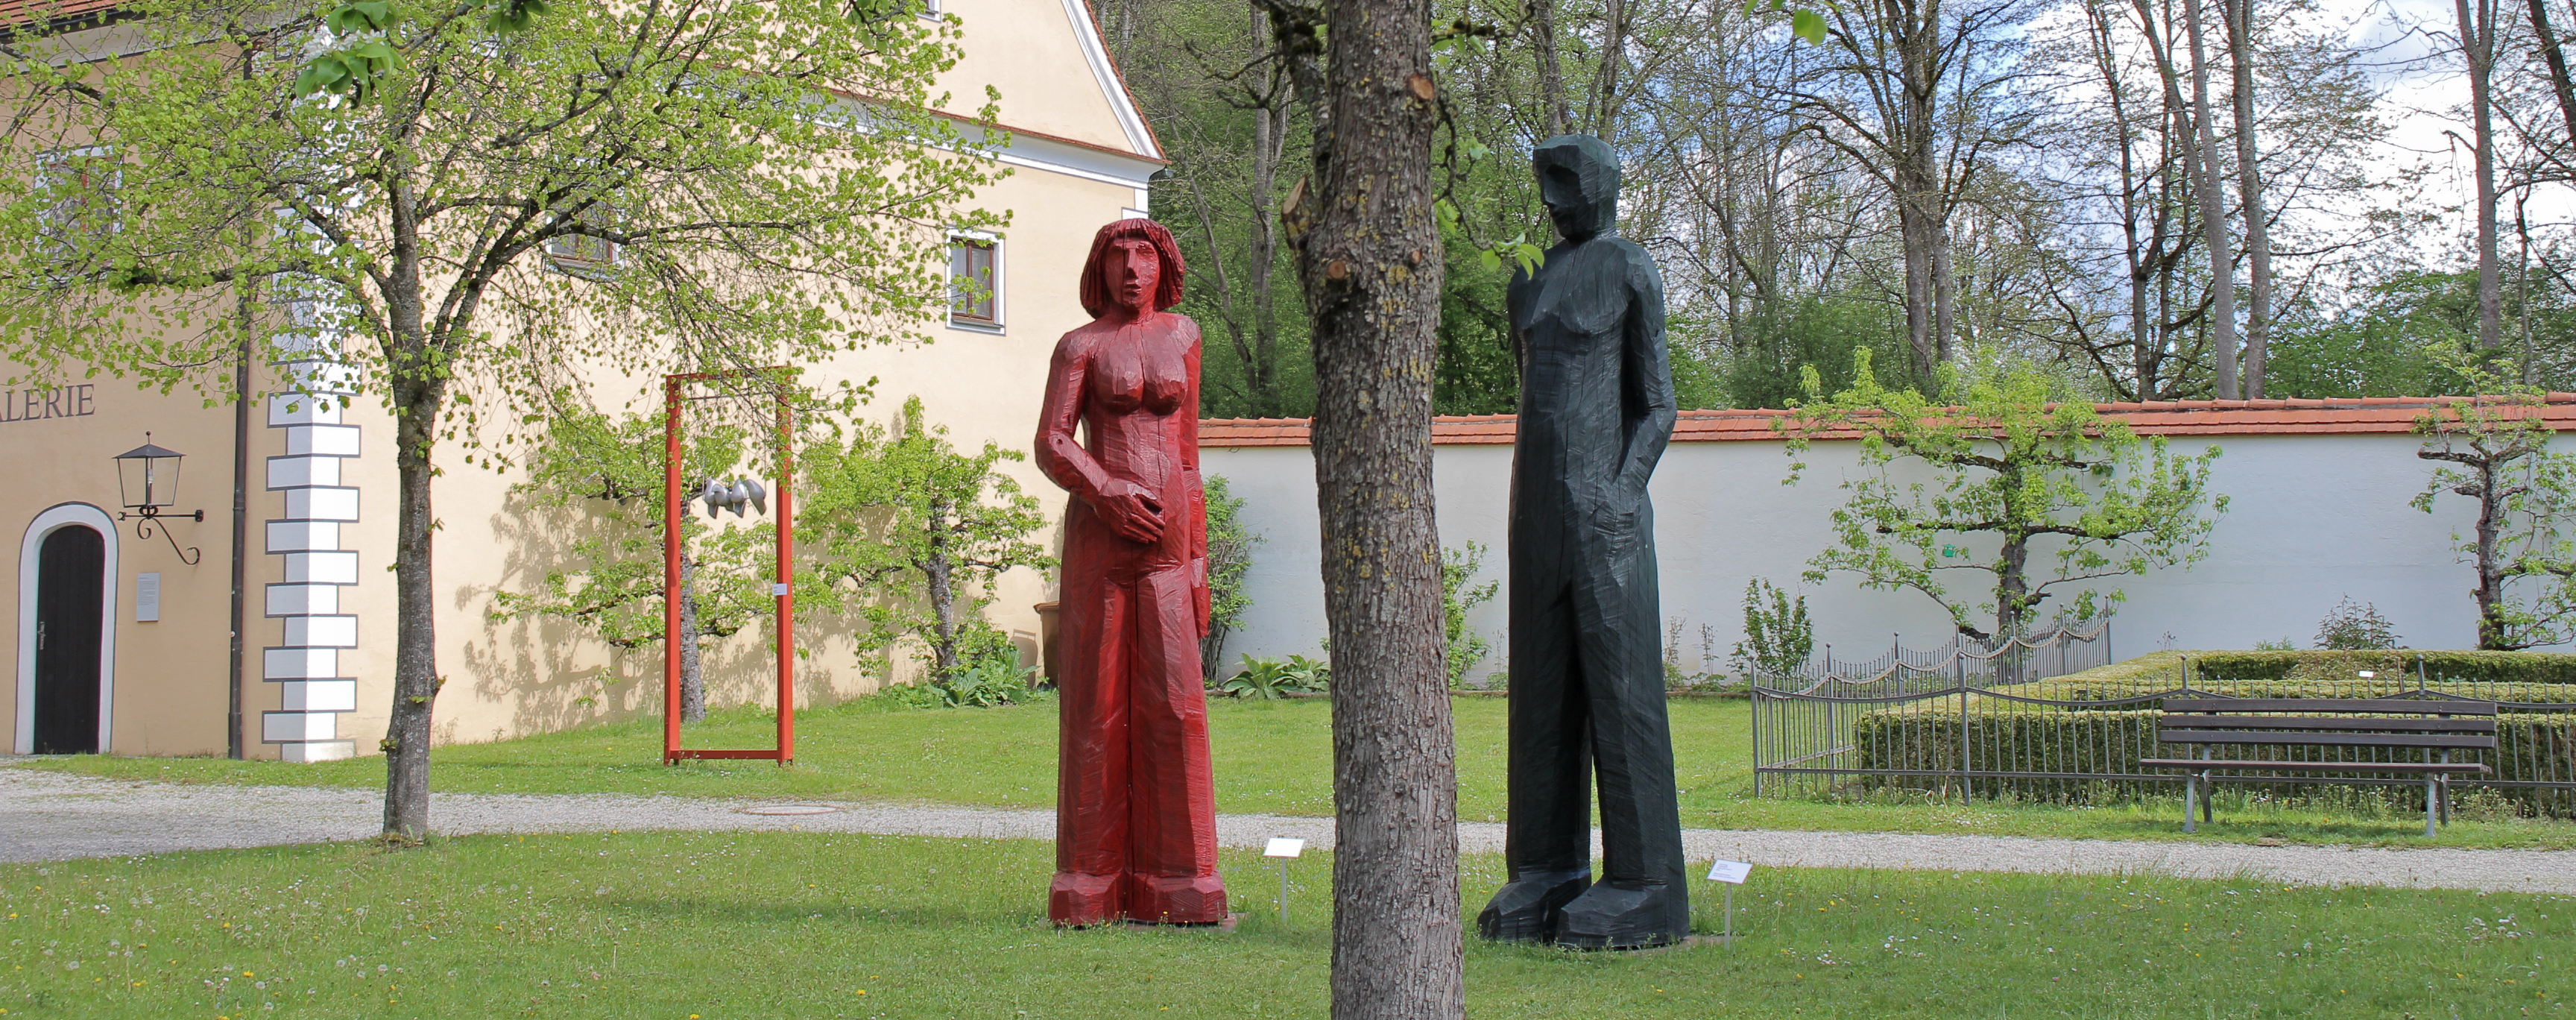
{"x": 1132, "y": 511}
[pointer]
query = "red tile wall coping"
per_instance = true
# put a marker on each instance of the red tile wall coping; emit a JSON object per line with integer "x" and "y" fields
{"x": 15, "y": 13}
{"x": 2366, "y": 415}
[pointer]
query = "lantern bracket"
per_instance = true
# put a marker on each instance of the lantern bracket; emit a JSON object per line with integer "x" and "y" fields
{"x": 143, "y": 522}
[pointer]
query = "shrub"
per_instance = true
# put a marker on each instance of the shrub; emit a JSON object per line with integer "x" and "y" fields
{"x": 988, "y": 674}
{"x": 1777, "y": 635}
{"x": 2351, "y": 626}
{"x": 2164, "y": 669}
{"x": 1458, "y": 594}
{"x": 1268, "y": 679}
{"x": 1229, "y": 556}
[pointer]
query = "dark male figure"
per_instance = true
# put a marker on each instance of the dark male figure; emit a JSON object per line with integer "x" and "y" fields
{"x": 1587, "y": 680}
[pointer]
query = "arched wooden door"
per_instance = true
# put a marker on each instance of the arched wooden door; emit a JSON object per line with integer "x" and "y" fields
{"x": 71, "y": 575}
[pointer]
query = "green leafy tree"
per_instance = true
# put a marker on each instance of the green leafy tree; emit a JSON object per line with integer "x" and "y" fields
{"x": 613, "y": 471}
{"x": 2495, "y": 450}
{"x": 911, "y": 533}
{"x": 610, "y": 188}
{"x": 1459, "y": 593}
{"x": 1777, "y": 635}
{"x": 1229, "y": 555}
{"x": 2012, "y": 475}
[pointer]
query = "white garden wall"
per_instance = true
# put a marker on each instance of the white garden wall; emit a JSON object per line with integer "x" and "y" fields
{"x": 2312, "y": 517}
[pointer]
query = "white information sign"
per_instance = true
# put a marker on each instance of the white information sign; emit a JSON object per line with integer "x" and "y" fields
{"x": 1283, "y": 846}
{"x": 1730, "y": 872}
{"x": 147, "y": 597}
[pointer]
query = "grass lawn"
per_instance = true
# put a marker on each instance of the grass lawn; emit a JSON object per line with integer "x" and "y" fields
{"x": 1271, "y": 756}
{"x": 725, "y": 925}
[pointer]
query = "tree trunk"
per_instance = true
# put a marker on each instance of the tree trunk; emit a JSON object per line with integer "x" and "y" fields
{"x": 693, "y": 677}
{"x": 2213, "y": 211}
{"x": 938, "y": 572}
{"x": 1370, "y": 258}
{"x": 1915, "y": 230}
{"x": 2490, "y": 592}
{"x": 1269, "y": 137}
{"x": 1551, "y": 76}
{"x": 2545, "y": 38}
{"x": 2477, "y": 49}
{"x": 416, "y": 407}
{"x": 1945, "y": 290}
{"x": 1602, "y": 110}
{"x": 2249, "y": 193}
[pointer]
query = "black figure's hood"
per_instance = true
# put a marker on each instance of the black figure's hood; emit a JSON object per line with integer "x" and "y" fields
{"x": 1578, "y": 178}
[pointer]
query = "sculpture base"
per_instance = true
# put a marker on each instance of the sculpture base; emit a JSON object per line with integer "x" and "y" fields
{"x": 1525, "y": 908}
{"x": 1076, "y": 899}
{"x": 1622, "y": 915}
{"x": 1229, "y": 924}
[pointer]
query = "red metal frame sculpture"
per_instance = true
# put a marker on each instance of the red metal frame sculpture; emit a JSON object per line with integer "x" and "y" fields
{"x": 784, "y": 589}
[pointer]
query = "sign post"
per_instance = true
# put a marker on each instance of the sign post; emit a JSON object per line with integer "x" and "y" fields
{"x": 1285, "y": 848}
{"x": 1732, "y": 873}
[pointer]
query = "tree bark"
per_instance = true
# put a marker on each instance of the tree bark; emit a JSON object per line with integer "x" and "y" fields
{"x": 1551, "y": 76}
{"x": 693, "y": 677}
{"x": 1370, "y": 259}
{"x": 417, "y": 403}
{"x": 2545, "y": 38}
{"x": 938, "y": 574}
{"x": 1602, "y": 109}
{"x": 2213, "y": 211}
{"x": 1919, "y": 193}
{"x": 2477, "y": 49}
{"x": 2249, "y": 194}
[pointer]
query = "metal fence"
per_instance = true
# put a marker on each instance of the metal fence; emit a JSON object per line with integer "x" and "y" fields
{"x": 1918, "y": 734}
{"x": 1962, "y": 660}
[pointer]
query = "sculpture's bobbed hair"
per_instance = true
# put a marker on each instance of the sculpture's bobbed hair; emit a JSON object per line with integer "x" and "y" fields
{"x": 1095, "y": 289}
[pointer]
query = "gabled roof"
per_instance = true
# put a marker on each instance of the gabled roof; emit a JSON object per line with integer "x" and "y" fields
{"x": 1104, "y": 69}
{"x": 2380, "y": 415}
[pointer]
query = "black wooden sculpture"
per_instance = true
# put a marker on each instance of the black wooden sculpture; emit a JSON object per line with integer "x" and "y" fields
{"x": 1587, "y": 683}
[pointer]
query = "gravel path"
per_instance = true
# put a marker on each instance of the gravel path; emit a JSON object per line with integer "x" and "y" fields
{"x": 51, "y": 816}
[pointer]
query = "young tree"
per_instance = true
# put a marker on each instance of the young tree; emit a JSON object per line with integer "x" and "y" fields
{"x": 2495, "y": 449}
{"x": 2014, "y": 475}
{"x": 1229, "y": 555}
{"x": 1368, "y": 251}
{"x": 707, "y": 203}
{"x": 910, "y": 534}
{"x": 613, "y": 469}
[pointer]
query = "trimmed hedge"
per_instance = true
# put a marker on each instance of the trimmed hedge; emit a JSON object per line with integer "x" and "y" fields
{"x": 2475, "y": 667}
{"x": 2110, "y": 743}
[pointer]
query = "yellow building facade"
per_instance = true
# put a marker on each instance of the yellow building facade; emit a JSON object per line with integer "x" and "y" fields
{"x": 123, "y": 644}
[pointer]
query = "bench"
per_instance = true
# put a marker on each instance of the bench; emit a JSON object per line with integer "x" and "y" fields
{"x": 2432, "y": 725}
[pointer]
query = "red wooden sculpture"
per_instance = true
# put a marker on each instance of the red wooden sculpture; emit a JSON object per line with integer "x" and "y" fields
{"x": 1135, "y": 801}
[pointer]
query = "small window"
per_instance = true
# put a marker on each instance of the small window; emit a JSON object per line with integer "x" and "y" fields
{"x": 582, "y": 255}
{"x": 81, "y": 187}
{"x": 975, "y": 281}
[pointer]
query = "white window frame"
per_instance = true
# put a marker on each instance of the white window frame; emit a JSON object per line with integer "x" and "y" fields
{"x": 1001, "y": 285}
{"x": 49, "y": 166}
{"x": 561, "y": 250}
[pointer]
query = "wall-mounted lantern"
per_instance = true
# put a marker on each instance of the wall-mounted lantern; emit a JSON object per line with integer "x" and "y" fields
{"x": 147, "y": 479}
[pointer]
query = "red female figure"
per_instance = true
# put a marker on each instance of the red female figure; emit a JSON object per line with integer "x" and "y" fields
{"x": 1135, "y": 802}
